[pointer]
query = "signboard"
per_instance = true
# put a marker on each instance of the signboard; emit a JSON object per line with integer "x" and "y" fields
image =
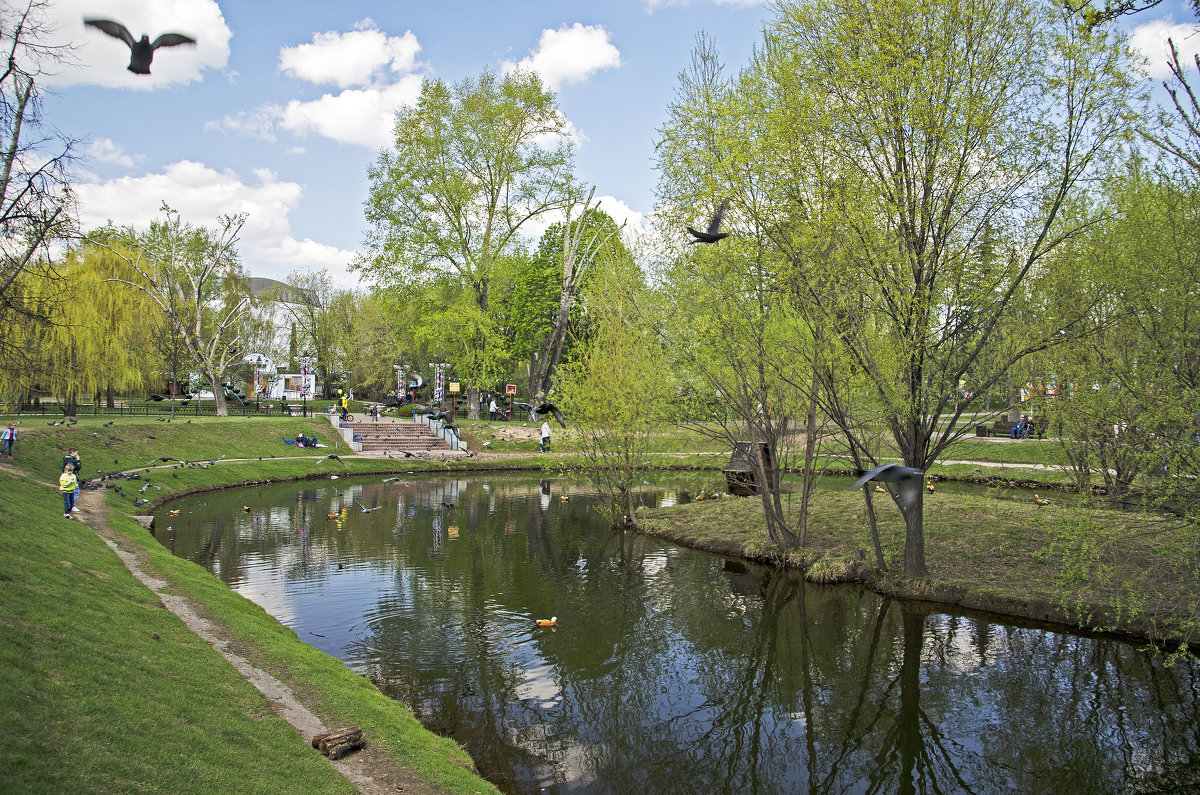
{"x": 453, "y": 386}
{"x": 511, "y": 389}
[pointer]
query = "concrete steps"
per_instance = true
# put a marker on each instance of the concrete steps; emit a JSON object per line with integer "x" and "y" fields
{"x": 399, "y": 436}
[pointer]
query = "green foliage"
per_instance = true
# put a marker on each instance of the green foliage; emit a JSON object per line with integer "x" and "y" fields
{"x": 616, "y": 391}
{"x": 470, "y": 166}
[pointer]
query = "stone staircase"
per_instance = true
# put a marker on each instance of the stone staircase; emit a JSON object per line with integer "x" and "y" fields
{"x": 396, "y": 436}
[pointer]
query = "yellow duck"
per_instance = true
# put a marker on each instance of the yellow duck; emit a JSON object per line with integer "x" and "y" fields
{"x": 929, "y": 486}
{"x": 175, "y": 512}
{"x": 246, "y": 508}
{"x": 1039, "y": 501}
{"x": 331, "y": 516}
{"x": 547, "y": 622}
{"x": 880, "y": 488}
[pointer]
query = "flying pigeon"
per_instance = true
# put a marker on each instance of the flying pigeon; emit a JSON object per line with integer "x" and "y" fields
{"x": 364, "y": 508}
{"x": 908, "y": 478}
{"x": 335, "y": 457}
{"x": 141, "y": 51}
{"x": 711, "y": 235}
{"x": 550, "y": 408}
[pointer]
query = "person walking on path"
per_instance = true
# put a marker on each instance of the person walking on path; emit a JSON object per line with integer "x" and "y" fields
{"x": 71, "y": 459}
{"x": 492, "y": 409}
{"x": 67, "y": 483}
{"x": 545, "y": 435}
{"x": 9, "y": 437}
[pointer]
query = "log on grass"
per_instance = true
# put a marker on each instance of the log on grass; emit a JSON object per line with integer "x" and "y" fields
{"x": 343, "y": 740}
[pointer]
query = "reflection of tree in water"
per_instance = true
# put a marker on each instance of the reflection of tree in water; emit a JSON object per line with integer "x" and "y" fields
{"x": 676, "y": 671}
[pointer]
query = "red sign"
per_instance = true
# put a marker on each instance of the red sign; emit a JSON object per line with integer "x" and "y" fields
{"x": 511, "y": 389}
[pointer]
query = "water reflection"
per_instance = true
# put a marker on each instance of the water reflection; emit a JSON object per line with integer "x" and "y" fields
{"x": 675, "y": 671}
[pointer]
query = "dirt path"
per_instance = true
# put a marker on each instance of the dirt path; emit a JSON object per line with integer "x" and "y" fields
{"x": 368, "y": 770}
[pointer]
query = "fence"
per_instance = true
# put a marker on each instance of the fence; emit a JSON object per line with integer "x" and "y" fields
{"x": 197, "y": 409}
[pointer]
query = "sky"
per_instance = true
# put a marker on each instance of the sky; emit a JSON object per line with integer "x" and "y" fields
{"x": 282, "y": 105}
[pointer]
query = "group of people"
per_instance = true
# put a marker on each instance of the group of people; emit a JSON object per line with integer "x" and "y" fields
{"x": 1024, "y": 428}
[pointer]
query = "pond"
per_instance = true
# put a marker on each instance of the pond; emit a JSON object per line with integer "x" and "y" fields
{"x": 672, "y": 670}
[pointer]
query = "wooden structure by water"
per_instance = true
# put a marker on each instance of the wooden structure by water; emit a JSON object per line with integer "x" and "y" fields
{"x": 741, "y": 474}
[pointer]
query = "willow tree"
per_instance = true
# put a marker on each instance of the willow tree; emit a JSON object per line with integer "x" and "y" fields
{"x": 470, "y": 166}
{"x": 192, "y": 275}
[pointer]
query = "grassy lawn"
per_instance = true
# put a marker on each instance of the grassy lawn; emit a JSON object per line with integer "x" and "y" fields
{"x": 1127, "y": 570}
{"x": 104, "y": 690}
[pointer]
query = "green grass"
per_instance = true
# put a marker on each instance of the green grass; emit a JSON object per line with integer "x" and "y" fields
{"x": 992, "y": 552}
{"x": 94, "y": 701}
{"x": 130, "y": 442}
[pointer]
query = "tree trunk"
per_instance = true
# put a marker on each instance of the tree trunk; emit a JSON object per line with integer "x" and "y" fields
{"x": 914, "y": 538}
{"x": 874, "y": 525}
{"x": 218, "y": 396}
{"x": 472, "y": 403}
{"x": 807, "y": 477}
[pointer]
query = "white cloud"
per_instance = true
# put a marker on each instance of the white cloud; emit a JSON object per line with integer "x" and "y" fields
{"x": 201, "y": 194}
{"x": 98, "y": 59}
{"x": 1151, "y": 40}
{"x": 362, "y": 116}
{"x": 258, "y": 123}
{"x": 350, "y": 59}
{"x": 381, "y": 65}
{"x": 107, "y": 151}
{"x": 569, "y": 54}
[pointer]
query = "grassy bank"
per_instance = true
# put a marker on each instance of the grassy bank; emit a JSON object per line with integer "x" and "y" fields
{"x": 1119, "y": 571}
{"x": 105, "y": 690}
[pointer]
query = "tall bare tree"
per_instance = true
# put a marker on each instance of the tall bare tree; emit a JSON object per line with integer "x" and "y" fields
{"x": 192, "y": 274}
{"x": 35, "y": 200}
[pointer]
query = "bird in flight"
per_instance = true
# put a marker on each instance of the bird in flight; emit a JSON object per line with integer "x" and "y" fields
{"x": 141, "y": 51}
{"x": 908, "y": 480}
{"x": 335, "y": 457}
{"x": 550, "y": 408}
{"x": 364, "y": 508}
{"x": 711, "y": 235}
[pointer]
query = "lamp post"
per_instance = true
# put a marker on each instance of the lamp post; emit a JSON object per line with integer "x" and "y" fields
{"x": 305, "y": 368}
{"x": 258, "y": 368}
{"x": 400, "y": 374}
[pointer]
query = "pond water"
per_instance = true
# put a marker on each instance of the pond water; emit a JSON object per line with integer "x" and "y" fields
{"x": 671, "y": 670}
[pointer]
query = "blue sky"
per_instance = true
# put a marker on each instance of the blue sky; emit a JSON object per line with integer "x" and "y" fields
{"x": 282, "y": 105}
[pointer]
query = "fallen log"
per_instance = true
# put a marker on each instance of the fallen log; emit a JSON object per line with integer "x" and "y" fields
{"x": 336, "y": 744}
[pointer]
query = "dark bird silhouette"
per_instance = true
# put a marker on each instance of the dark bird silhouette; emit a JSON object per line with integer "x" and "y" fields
{"x": 908, "y": 480}
{"x": 439, "y": 415}
{"x": 711, "y": 235}
{"x": 335, "y": 457}
{"x": 449, "y": 505}
{"x": 141, "y": 51}
{"x": 109, "y": 423}
{"x": 550, "y": 408}
{"x": 364, "y": 508}
{"x": 164, "y": 459}
{"x": 156, "y": 397}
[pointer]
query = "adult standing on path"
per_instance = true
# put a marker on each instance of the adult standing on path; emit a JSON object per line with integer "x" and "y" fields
{"x": 9, "y": 436}
{"x": 545, "y": 435}
{"x": 67, "y": 483}
{"x": 492, "y": 409}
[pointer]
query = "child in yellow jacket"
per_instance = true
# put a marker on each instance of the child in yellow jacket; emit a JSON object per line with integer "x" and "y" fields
{"x": 67, "y": 482}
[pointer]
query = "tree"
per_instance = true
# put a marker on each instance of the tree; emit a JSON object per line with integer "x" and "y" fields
{"x": 470, "y": 166}
{"x": 896, "y": 134}
{"x": 35, "y": 199}
{"x": 617, "y": 390}
{"x": 193, "y": 276}
{"x": 572, "y": 248}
